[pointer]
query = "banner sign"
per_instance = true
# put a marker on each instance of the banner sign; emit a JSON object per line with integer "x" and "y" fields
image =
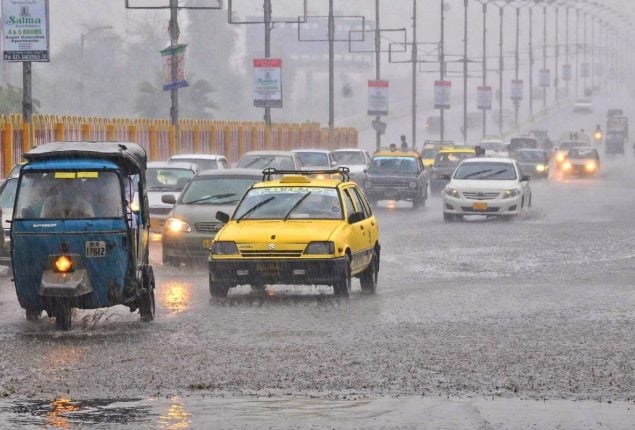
{"x": 268, "y": 82}
{"x": 442, "y": 94}
{"x": 484, "y": 98}
{"x": 377, "y": 98}
{"x": 174, "y": 54}
{"x": 517, "y": 90}
{"x": 25, "y": 30}
{"x": 566, "y": 72}
{"x": 545, "y": 77}
{"x": 585, "y": 70}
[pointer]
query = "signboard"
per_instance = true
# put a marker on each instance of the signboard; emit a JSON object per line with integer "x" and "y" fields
{"x": 517, "y": 90}
{"x": 442, "y": 94}
{"x": 379, "y": 126}
{"x": 545, "y": 77}
{"x": 484, "y": 98}
{"x": 25, "y": 30}
{"x": 566, "y": 72}
{"x": 585, "y": 70}
{"x": 174, "y": 54}
{"x": 377, "y": 98}
{"x": 598, "y": 69}
{"x": 268, "y": 82}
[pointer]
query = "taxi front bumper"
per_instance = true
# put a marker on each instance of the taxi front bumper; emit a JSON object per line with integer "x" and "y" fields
{"x": 301, "y": 271}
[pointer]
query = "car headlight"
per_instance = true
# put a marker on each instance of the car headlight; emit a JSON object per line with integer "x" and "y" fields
{"x": 176, "y": 225}
{"x": 560, "y": 157}
{"x": 511, "y": 193}
{"x": 322, "y": 247}
{"x": 567, "y": 166}
{"x": 224, "y": 247}
{"x": 590, "y": 166}
{"x": 452, "y": 192}
{"x": 412, "y": 184}
{"x": 541, "y": 168}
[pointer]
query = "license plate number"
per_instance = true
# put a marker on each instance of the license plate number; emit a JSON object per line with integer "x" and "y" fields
{"x": 479, "y": 206}
{"x": 268, "y": 268}
{"x": 207, "y": 243}
{"x": 96, "y": 248}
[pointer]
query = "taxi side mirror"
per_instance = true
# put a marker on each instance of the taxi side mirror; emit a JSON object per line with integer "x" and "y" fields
{"x": 222, "y": 217}
{"x": 168, "y": 199}
{"x": 443, "y": 176}
{"x": 525, "y": 178}
{"x": 355, "y": 217}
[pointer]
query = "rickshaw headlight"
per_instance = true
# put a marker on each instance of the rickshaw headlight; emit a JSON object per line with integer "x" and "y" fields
{"x": 176, "y": 225}
{"x": 224, "y": 247}
{"x": 64, "y": 264}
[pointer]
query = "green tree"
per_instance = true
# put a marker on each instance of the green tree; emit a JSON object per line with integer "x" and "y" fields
{"x": 11, "y": 100}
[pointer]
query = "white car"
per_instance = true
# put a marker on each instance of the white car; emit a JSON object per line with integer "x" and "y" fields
{"x": 356, "y": 159}
{"x": 166, "y": 177}
{"x": 315, "y": 158}
{"x": 486, "y": 186}
{"x": 494, "y": 147}
{"x": 203, "y": 161}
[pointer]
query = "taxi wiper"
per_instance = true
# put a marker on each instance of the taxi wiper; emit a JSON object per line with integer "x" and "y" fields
{"x": 254, "y": 207}
{"x": 295, "y": 205}
{"x": 214, "y": 197}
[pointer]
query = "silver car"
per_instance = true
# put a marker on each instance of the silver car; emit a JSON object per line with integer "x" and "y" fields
{"x": 164, "y": 176}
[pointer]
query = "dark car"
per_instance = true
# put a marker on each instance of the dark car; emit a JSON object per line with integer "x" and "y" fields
{"x": 581, "y": 162}
{"x": 516, "y": 143}
{"x": 191, "y": 224}
{"x": 533, "y": 162}
{"x": 396, "y": 175}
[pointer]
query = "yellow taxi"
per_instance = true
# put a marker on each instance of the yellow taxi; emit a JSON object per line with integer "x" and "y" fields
{"x": 431, "y": 148}
{"x": 294, "y": 228}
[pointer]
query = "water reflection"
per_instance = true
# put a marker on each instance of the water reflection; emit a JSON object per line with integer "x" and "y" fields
{"x": 176, "y": 417}
{"x": 56, "y": 418}
{"x": 176, "y": 297}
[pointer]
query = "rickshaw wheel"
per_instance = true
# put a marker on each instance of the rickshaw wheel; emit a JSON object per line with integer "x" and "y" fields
{"x": 62, "y": 314}
{"x": 33, "y": 314}
{"x": 146, "y": 301}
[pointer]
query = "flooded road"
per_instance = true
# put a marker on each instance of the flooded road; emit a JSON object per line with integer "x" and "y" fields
{"x": 477, "y": 324}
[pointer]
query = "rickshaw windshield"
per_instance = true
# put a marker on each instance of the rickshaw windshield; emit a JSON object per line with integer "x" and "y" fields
{"x": 69, "y": 195}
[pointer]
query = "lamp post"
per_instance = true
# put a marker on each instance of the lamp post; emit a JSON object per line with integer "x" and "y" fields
{"x": 465, "y": 4}
{"x": 442, "y": 69}
{"x": 501, "y": 64}
{"x": 484, "y": 81}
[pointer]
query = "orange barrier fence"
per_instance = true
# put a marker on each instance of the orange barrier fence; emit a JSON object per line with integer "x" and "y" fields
{"x": 158, "y": 137}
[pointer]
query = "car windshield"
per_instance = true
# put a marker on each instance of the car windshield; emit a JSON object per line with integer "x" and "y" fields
{"x": 531, "y": 156}
{"x": 569, "y": 145}
{"x": 283, "y": 203}
{"x": 491, "y": 146}
{"x": 167, "y": 179}
{"x": 7, "y": 198}
{"x": 486, "y": 171}
{"x": 520, "y": 143}
{"x": 216, "y": 190}
{"x": 202, "y": 163}
{"x": 429, "y": 153}
{"x": 393, "y": 165}
{"x": 313, "y": 159}
{"x": 583, "y": 154}
{"x": 69, "y": 194}
{"x": 348, "y": 158}
{"x": 262, "y": 161}
{"x": 450, "y": 159}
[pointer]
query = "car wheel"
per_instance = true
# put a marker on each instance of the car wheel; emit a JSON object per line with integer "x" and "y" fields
{"x": 448, "y": 217}
{"x": 62, "y": 314}
{"x": 218, "y": 291}
{"x": 342, "y": 286}
{"x": 33, "y": 314}
{"x": 368, "y": 279}
{"x": 416, "y": 201}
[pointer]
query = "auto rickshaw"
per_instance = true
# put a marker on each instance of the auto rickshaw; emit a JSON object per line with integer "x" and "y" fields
{"x": 77, "y": 239}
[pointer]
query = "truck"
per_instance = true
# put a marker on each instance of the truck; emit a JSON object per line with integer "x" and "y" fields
{"x": 616, "y": 132}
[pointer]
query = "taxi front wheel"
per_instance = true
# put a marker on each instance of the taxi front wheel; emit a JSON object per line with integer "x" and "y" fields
{"x": 217, "y": 290}
{"x": 342, "y": 286}
{"x": 368, "y": 278}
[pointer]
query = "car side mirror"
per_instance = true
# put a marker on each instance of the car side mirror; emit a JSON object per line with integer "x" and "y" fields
{"x": 444, "y": 176}
{"x": 168, "y": 199}
{"x": 525, "y": 178}
{"x": 355, "y": 217}
{"x": 222, "y": 217}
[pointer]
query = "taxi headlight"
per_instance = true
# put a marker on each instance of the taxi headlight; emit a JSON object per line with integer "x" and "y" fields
{"x": 412, "y": 184}
{"x": 224, "y": 247}
{"x": 322, "y": 247}
{"x": 64, "y": 264}
{"x": 541, "y": 168}
{"x": 590, "y": 166}
{"x": 176, "y": 225}
{"x": 511, "y": 193}
{"x": 452, "y": 193}
{"x": 567, "y": 166}
{"x": 560, "y": 157}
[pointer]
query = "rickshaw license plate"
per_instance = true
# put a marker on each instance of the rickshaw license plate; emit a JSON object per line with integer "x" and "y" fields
{"x": 96, "y": 248}
{"x": 479, "y": 206}
{"x": 207, "y": 243}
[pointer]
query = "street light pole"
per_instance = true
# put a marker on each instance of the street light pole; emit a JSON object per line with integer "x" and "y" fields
{"x": 566, "y": 50}
{"x": 331, "y": 24}
{"x": 544, "y": 54}
{"x": 267, "y": 13}
{"x": 174, "y": 92}
{"x": 465, "y": 4}
{"x": 531, "y": 61}
{"x": 517, "y": 65}
{"x": 501, "y": 65}
{"x": 484, "y": 62}
{"x": 377, "y": 66}
{"x": 557, "y": 63}
{"x": 442, "y": 69}
{"x": 577, "y": 52}
{"x": 414, "y": 73}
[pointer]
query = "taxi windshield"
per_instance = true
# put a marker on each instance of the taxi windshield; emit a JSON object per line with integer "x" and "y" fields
{"x": 349, "y": 158}
{"x": 450, "y": 159}
{"x": 282, "y": 203}
{"x": 393, "y": 164}
{"x": 216, "y": 190}
{"x": 429, "y": 153}
{"x": 69, "y": 194}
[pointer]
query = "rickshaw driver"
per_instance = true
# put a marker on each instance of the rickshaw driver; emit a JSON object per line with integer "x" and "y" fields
{"x": 67, "y": 201}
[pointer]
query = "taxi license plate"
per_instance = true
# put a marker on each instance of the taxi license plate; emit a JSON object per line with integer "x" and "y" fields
{"x": 269, "y": 268}
{"x": 95, "y": 248}
{"x": 207, "y": 243}
{"x": 479, "y": 206}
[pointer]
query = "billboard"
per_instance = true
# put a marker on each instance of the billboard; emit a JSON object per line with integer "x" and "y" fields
{"x": 25, "y": 30}
{"x": 268, "y": 82}
{"x": 517, "y": 90}
{"x": 377, "y": 98}
{"x": 174, "y": 54}
{"x": 442, "y": 94}
{"x": 545, "y": 78}
{"x": 566, "y": 72}
{"x": 484, "y": 98}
